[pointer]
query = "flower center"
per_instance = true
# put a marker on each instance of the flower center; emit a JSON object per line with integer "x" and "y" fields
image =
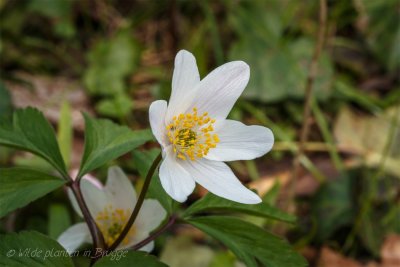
{"x": 191, "y": 135}
{"x": 111, "y": 222}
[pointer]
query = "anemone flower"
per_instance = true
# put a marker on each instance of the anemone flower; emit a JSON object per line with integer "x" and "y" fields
{"x": 195, "y": 136}
{"x": 111, "y": 206}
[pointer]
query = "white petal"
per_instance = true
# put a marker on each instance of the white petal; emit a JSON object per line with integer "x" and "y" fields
{"x": 96, "y": 198}
{"x": 71, "y": 196}
{"x": 74, "y": 237}
{"x": 150, "y": 216}
{"x": 136, "y": 239}
{"x": 148, "y": 248}
{"x": 240, "y": 142}
{"x": 157, "y": 112}
{"x": 74, "y": 203}
{"x": 218, "y": 92}
{"x": 219, "y": 179}
{"x": 120, "y": 189}
{"x": 184, "y": 80}
{"x": 176, "y": 181}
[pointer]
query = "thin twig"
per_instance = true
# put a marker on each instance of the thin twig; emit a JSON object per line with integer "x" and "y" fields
{"x": 156, "y": 234}
{"x": 308, "y": 92}
{"x": 138, "y": 205}
{"x": 97, "y": 236}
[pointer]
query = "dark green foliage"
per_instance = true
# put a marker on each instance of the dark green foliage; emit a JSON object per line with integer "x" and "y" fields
{"x": 20, "y": 186}
{"x": 217, "y": 204}
{"x": 32, "y": 249}
{"x": 105, "y": 141}
{"x": 250, "y": 243}
{"x": 30, "y": 131}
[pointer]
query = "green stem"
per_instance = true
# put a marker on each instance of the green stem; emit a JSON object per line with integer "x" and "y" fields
{"x": 97, "y": 236}
{"x": 138, "y": 205}
{"x": 156, "y": 234}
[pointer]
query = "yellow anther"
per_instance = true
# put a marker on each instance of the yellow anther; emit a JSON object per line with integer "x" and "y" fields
{"x": 111, "y": 222}
{"x": 192, "y": 135}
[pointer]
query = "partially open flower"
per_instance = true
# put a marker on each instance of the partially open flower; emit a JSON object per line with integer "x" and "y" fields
{"x": 111, "y": 206}
{"x": 196, "y": 136}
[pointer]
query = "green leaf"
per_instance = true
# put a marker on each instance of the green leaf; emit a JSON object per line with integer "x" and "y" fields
{"x": 279, "y": 65}
{"x": 59, "y": 220}
{"x": 118, "y": 106}
{"x": 20, "y": 186}
{"x": 110, "y": 61}
{"x": 32, "y": 249}
{"x": 105, "y": 141}
{"x": 265, "y": 18}
{"x": 212, "y": 202}
{"x": 65, "y": 132}
{"x": 129, "y": 258}
{"x": 143, "y": 161}
{"x": 249, "y": 242}
{"x": 281, "y": 71}
{"x": 333, "y": 206}
{"x": 32, "y": 132}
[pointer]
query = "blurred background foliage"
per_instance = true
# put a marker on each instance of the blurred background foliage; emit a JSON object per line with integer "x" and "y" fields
{"x": 113, "y": 57}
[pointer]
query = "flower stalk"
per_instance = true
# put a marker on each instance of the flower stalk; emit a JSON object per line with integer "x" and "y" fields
{"x": 97, "y": 236}
{"x": 157, "y": 233}
{"x": 138, "y": 205}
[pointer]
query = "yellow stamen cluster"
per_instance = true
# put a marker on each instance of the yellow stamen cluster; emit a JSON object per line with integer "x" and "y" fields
{"x": 191, "y": 135}
{"x": 111, "y": 222}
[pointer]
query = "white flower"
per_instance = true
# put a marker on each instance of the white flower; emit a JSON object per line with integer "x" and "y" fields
{"x": 196, "y": 136}
{"x": 111, "y": 206}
